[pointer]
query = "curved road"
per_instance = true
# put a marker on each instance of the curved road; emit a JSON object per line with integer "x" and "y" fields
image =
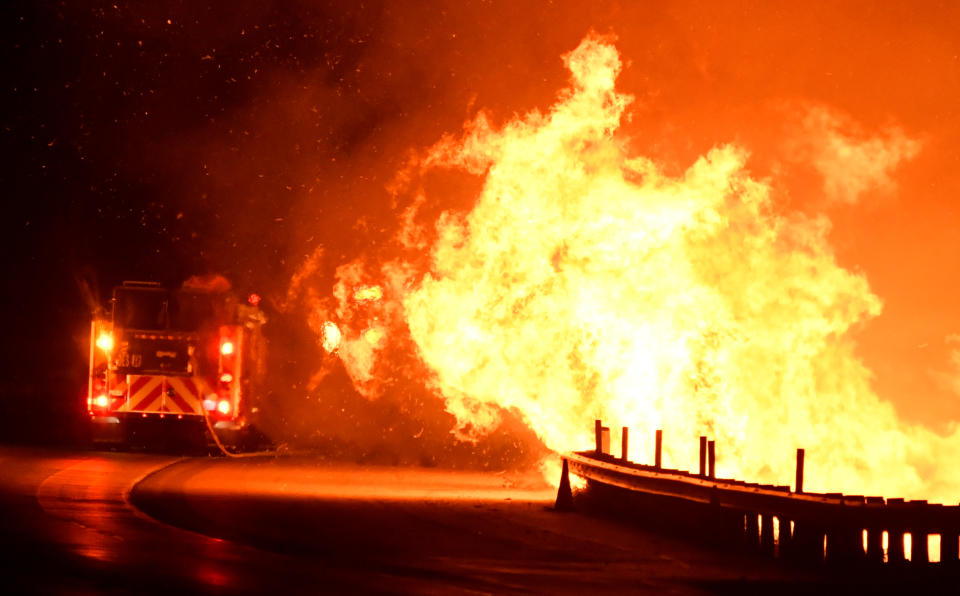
{"x": 68, "y": 524}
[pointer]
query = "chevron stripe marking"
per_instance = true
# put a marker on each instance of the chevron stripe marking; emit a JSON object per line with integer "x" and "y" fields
{"x": 150, "y": 393}
{"x": 188, "y": 394}
{"x": 137, "y": 383}
{"x": 180, "y": 404}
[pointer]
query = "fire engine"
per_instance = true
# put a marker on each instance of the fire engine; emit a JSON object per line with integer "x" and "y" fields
{"x": 188, "y": 356}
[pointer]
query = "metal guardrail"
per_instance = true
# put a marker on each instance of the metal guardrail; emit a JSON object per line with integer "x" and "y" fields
{"x": 770, "y": 519}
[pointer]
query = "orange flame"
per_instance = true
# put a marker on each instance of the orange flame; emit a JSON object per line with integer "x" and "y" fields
{"x": 366, "y": 293}
{"x": 373, "y": 335}
{"x": 586, "y": 283}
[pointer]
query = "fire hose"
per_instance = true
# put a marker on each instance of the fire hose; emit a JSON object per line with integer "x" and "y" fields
{"x": 223, "y": 448}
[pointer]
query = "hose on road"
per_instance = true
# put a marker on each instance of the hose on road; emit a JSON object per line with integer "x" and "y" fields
{"x": 223, "y": 449}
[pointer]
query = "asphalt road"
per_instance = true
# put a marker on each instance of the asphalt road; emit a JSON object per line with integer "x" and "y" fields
{"x": 89, "y": 522}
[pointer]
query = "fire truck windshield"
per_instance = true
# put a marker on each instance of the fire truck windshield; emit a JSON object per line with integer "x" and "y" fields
{"x": 157, "y": 309}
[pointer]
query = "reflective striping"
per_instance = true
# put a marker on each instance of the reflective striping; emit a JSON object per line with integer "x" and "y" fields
{"x": 146, "y": 393}
{"x": 186, "y": 388}
{"x": 150, "y": 403}
{"x": 151, "y": 400}
{"x": 177, "y": 395}
{"x": 175, "y": 403}
{"x": 137, "y": 383}
{"x": 187, "y": 394}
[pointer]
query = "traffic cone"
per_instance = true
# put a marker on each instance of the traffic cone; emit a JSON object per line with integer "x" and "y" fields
{"x": 564, "y": 493}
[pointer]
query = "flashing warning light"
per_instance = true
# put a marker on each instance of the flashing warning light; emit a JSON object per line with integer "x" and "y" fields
{"x": 253, "y": 299}
{"x": 226, "y": 348}
{"x": 226, "y": 378}
{"x": 105, "y": 341}
{"x": 223, "y": 406}
{"x": 101, "y": 401}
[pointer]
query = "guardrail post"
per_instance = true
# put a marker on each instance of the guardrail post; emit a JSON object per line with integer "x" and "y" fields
{"x": 895, "y": 531}
{"x": 598, "y": 433}
{"x": 874, "y": 554}
{"x": 658, "y": 450}
{"x": 949, "y": 531}
{"x": 703, "y": 456}
{"x": 712, "y": 459}
{"x": 876, "y": 507}
{"x": 624, "y": 438}
{"x": 603, "y": 438}
{"x": 949, "y": 551}
{"x": 919, "y": 549}
{"x": 751, "y": 532}
{"x": 766, "y": 534}
{"x": 784, "y": 538}
{"x": 895, "y": 550}
{"x": 799, "y": 483}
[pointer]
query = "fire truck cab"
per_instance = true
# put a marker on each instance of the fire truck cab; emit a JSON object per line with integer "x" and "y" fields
{"x": 190, "y": 356}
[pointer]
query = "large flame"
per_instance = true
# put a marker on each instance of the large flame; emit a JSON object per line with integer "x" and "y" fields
{"x": 586, "y": 283}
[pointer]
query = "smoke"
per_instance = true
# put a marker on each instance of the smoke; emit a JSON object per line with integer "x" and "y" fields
{"x": 850, "y": 161}
{"x": 949, "y": 379}
{"x": 348, "y": 384}
{"x": 584, "y": 281}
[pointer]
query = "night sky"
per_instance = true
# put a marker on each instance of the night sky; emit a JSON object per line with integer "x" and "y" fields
{"x": 159, "y": 140}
